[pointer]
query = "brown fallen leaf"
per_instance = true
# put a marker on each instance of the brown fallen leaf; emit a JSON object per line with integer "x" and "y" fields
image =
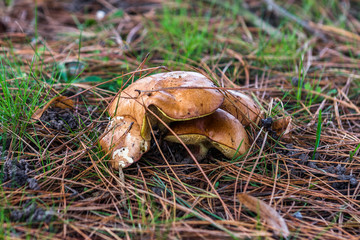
{"x": 267, "y": 213}
{"x": 60, "y": 102}
{"x": 282, "y": 126}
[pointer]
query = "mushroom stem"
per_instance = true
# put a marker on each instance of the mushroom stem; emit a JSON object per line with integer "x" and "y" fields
{"x": 124, "y": 142}
{"x": 201, "y": 150}
{"x": 121, "y": 177}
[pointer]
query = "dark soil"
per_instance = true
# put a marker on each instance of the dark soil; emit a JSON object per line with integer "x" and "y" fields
{"x": 342, "y": 181}
{"x": 16, "y": 174}
{"x": 60, "y": 119}
{"x": 267, "y": 124}
{"x": 31, "y": 213}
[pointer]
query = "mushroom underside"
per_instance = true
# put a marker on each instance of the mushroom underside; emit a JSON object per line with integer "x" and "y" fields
{"x": 220, "y": 130}
{"x": 202, "y": 144}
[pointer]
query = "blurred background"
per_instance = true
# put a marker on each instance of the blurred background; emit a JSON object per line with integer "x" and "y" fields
{"x": 117, "y": 35}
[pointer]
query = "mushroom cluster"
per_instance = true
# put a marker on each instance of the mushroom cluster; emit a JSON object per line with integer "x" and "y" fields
{"x": 189, "y": 104}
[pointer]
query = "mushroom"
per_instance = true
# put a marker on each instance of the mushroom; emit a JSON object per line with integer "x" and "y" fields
{"x": 124, "y": 141}
{"x": 175, "y": 96}
{"x": 220, "y": 130}
{"x": 241, "y": 106}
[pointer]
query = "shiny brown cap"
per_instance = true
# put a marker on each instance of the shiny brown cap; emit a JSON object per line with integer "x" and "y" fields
{"x": 177, "y": 95}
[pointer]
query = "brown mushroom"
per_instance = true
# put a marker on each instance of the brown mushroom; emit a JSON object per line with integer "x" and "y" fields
{"x": 220, "y": 130}
{"x": 241, "y": 106}
{"x": 172, "y": 93}
{"x": 176, "y": 95}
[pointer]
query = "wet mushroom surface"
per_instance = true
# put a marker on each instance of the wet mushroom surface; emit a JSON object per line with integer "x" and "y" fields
{"x": 190, "y": 101}
{"x": 219, "y": 130}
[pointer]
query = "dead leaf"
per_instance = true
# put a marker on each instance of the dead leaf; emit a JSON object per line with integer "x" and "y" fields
{"x": 267, "y": 213}
{"x": 282, "y": 126}
{"x": 60, "y": 102}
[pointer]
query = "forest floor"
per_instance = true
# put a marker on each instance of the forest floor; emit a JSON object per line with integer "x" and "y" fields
{"x": 299, "y": 60}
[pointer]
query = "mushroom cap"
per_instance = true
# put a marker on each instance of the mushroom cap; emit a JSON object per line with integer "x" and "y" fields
{"x": 124, "y": 142}
{"x": 177, "y": 95}
{"x": 220, "y": 130}
{"x": 241, "y": 106}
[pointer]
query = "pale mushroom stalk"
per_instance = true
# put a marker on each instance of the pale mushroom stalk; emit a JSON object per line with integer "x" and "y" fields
{"x": 124, "y": 142}
{"x": 121, "y": 177}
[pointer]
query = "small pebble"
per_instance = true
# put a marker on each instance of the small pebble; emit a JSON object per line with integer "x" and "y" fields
{"x": 353, "y": 181}
{"x": 298, "y": 215}
{"x": 100, "y": 15}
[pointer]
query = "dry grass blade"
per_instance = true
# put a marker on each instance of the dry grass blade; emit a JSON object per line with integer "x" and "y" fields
{"x": 267, "y": 213}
